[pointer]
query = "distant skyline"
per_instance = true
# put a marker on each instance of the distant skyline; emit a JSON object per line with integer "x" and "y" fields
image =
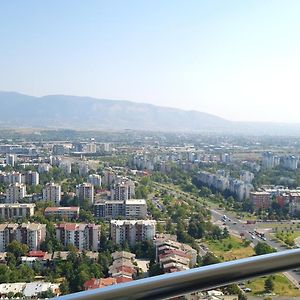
{"x": 239, "y": 60}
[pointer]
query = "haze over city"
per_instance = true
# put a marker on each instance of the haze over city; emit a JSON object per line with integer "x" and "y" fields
{"x": 235, "y": 59}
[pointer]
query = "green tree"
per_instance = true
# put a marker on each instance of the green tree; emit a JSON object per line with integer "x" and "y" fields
{"x": 269, "y": 284}
{"x": 17, "y": 249}
{"x": 209, "y": 259}
{"x": 263, "y": 248}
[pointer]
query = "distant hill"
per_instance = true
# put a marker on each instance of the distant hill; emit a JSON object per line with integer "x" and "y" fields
{"x": 60, "y": 111}
{"x": 85, "y": 113}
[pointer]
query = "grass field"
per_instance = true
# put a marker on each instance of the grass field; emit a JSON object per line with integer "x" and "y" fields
{"x": 230, "y": 248}
{"x": 282, "y": 286}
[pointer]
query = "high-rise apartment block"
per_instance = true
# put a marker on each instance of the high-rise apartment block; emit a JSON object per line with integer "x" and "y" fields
{"x": 123, "y": 189}
{"x": 132, "y": 231}
{"x": 32, "y": 178}
{"x": 82, "y": 236}
{"x": 52, "y": 192}
{"x": 290, "y": 162}
{"x": 270, "y": 160}
{"x": 31, "y": 234}
{"x": 15, "y": 192}
{"x": 10, "y": 159}
{"x": 83, "y": 169}
{"x": 94, "y": 179}
{"x": 85, "y": 191}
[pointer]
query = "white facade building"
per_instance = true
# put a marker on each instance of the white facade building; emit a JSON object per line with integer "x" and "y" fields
{"x": 132, "y": 231}
{"x": 31, "y": 234}
{"x": 82, "y": 236}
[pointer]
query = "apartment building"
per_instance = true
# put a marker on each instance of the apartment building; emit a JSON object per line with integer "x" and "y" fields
{"x": 260, "y": 200}
{"x": 16, "y": 210}
{"x": 52, "y": 192}
{"x": 31, "y": 178}
{"x": 123, "y": 189}
{"x": 11, "y": 177}
{"x": 132, "y": 231}
{"x": 15, "y": 192}
{"x": 82, "y": 236}
{"x": 10, "y": 159}
{"x": 62, "y": 212}
{"x": 136, "y": 208}
{"x": 131, "y": 209}
{"x": 31, "y": 234}
{"x": 174, "y": 256}
{"x": 94, "y": 179}
{"x": 83, "y": 169}
{"x": 85, "y": 191}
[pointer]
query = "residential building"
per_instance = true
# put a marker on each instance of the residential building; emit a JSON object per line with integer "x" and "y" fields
{"x": 94, "y": 179}
{"x": 290, "y": 162}
{"x": 12, "y": 177}
{"x": 95, "y": 283}
{"x": 132, "y": 231}
{"x": 32, "y": 178}
{"x": 270, "y": 160}
{"x": 31, "y": 234}
{"x": 123, "y": 266}
{"x": 82, "y": 236}
{"x": 130, "y": 209}
{"x": 11, "y": 159}
{"x": 15, "y": 192}
{"x": 260, "y": 200}
{"x": 44, "y": 168}
{"x": 109, "y": 209}
{"x": 123, "y": 189}
{"x": 174, "y": 256}
{"x": 85, "y": 191}
{"x": 83, "y": 169}
{"x": 58, "y": 149}
{"x": 62, "y": 212}
{"x": 52, "y": 192}
{"x": 135, "y": 208}
{"x": 16, "y": 210}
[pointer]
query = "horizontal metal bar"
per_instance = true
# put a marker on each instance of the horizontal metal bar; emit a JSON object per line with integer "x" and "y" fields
{"x": 202, "y": 278}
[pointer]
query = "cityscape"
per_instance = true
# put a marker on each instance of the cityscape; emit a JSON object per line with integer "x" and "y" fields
{"x": 89, "y": 212}
{"x": 149, "y": 150}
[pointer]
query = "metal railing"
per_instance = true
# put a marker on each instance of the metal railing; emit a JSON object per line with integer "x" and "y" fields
{"x": 202, "y": 278}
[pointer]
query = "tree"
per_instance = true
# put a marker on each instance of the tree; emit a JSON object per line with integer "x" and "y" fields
{"x": 17, "y": 249}
{"x": 46, "y": 294}
{"x": 263, "y": 248}
{"x": 209, "y": 259}
{"x": 269, "y": 284}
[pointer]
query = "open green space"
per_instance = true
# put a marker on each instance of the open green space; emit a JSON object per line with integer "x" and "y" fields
{"x": 282, "y": 286}
{"x": 230, "y": 248}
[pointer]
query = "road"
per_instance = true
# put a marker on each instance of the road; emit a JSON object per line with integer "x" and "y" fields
{"x": 237, "y": 227}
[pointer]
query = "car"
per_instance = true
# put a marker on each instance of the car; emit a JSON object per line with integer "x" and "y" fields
{"x": 234, "y": 223}
{"x": 247, "y": 290}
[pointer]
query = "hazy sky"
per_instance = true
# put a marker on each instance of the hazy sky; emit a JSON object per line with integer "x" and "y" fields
{"x": 237, "y": 59}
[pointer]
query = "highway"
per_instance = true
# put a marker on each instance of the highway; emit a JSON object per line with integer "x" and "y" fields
{"x": 238, "y": 227}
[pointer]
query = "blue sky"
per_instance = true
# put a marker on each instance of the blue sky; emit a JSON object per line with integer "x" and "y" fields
{"x": 237, "y": 59}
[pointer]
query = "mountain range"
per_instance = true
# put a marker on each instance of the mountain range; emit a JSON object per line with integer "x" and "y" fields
{"x": 85, "y": 113}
